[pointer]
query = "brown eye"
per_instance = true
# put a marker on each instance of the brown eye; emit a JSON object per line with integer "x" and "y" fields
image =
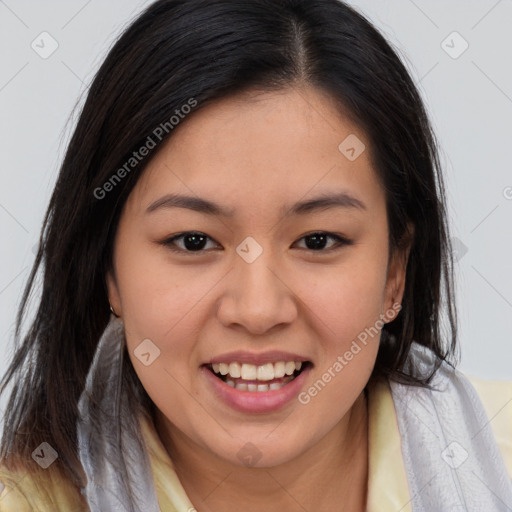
{"x": 191, "y": 241}
{"x": 317, "y": 241}
{"x": 195, "y": 242}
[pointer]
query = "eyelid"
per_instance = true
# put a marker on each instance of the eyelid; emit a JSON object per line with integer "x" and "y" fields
{"x": 341, "y": 241}
{"x": 169, "y": 242}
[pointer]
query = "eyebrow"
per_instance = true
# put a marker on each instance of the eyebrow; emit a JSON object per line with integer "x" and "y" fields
{"x": 197, "y": 204}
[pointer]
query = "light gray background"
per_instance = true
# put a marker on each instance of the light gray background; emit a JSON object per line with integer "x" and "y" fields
{"x": 469, "y": 99}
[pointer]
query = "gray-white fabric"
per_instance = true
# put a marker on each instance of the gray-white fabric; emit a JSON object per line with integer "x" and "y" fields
{"x": 451, "y": 457}
{"x": 111, "y": 449}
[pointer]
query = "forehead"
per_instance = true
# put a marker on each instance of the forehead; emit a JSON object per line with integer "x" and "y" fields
{"x": 253, "y": 150}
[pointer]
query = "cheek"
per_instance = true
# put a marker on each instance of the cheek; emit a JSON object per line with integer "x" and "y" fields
{"x": 347, "y": 309}
{"x": 347, "y": 302}
{"x": 169, "y": 377}
{"x": 160, "y": 302}
{"x": 346, "y": 298}
{"x": 156, "y": 294}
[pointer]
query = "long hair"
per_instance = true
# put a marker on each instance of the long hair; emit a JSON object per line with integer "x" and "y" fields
{"x": 203, "y": 50}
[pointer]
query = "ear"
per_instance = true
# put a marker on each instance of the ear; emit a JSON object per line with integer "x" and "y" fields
{"x": 113, "y": 292}
{"x": 397, "y": 267}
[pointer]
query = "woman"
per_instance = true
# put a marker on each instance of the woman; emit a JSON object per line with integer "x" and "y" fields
{"x": 244, "y": 258}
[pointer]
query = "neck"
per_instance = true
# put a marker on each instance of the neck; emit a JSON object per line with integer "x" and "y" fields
{"x": 331, "y": 475}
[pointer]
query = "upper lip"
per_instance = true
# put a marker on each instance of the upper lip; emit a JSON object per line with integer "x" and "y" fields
{"x": 272, "y": 356}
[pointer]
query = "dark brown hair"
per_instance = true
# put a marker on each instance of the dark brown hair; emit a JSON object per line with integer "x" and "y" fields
{"x": 208, "y": 49}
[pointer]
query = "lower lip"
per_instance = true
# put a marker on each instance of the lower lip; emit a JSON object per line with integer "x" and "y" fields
{"x": 256, "y": 401}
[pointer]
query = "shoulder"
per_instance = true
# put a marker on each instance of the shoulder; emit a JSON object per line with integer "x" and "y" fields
{"x": 25, "y": 489}
{"x": 493, "y": 398}
{"x": 496, "y": 398}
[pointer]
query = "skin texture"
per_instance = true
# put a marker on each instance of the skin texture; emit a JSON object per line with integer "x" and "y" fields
{"x": 254, "y": 153}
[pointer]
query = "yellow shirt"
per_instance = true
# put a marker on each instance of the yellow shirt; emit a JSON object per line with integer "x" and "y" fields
{"x": 46, "y": 491}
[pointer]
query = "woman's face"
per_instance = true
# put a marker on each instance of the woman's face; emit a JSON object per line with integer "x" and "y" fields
{"x": 254, "y": 287}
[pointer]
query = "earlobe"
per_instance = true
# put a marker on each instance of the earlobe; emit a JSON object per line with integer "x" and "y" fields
{"x": 396, "y": 281}
{"x": 113, "y": 294}
{"x": 397, "y": 271}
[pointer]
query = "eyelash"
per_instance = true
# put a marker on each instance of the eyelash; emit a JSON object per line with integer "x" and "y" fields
{"x": 341, "y": 241}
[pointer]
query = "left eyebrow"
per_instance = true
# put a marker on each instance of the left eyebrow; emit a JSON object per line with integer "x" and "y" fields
{"x": 322, "y": 202}
{"x": 326, "y": 201}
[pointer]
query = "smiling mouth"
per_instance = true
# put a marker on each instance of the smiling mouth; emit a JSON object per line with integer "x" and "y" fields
{"x": 268, "y": 377}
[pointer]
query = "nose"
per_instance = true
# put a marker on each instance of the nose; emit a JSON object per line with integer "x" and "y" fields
{"x": 257, "y": 297}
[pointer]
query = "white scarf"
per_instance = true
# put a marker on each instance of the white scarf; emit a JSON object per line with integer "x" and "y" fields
{"x": 450, "y": 454}
{"x": 451, "y": 457}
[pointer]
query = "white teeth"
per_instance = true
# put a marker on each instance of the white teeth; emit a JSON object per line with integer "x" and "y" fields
{"x": 279, "y": 370}
{"x": 257, "y": 388}
{"x": 249, "y": 371}
{"x": 289, "y": 368}
{"x": 234, "y": 370}
{"x": 264, "y": 372}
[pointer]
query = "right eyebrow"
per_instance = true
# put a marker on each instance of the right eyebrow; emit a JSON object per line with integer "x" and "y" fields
{"x": 201, "y": 205}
